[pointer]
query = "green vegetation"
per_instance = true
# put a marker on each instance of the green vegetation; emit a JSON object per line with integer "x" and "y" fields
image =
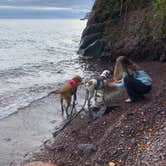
{"x": 154, "y": 24}
{"x": 160, "y": 17}
{"x": 160, "y": 8}
{"x": 116, "y": 8}
{"x": 147, "y": 29}
{"x": 113, "y": 6}
{"x": 109, "y": 7}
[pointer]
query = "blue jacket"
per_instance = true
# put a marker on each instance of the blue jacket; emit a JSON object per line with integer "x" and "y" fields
{"x": 139, "y": 75}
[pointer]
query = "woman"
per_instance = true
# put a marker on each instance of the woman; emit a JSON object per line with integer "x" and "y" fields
{"x": 132, "y": 77}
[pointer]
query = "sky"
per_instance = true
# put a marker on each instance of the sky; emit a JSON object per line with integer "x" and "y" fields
{"x": 44, "y": 8}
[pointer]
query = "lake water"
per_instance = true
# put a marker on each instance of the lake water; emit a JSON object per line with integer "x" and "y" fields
{"x": 35, "y": 57}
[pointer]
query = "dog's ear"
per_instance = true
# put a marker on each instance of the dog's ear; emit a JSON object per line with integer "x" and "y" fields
{"x": 106, "y": 73}
{"x": 77, "y": 78}
{"x": 90, "y": 83}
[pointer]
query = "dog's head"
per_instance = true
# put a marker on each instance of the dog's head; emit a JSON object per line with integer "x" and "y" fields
{"x": 77, "y": 78}
{"x": 105, "y": 73}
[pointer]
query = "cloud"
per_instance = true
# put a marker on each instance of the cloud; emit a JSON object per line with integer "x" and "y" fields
{"x": 62, "y": 3}
{"x": 43, "y": 8}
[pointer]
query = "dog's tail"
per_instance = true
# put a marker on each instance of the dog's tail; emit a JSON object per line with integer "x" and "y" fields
{"x": 54, "y": 92}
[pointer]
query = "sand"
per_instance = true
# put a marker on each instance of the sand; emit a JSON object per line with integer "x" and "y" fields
{"x": 27, "y": 129}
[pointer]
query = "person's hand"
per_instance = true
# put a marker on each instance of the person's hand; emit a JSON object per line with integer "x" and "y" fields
{"x": 112, "y": 84}
{"x": 118, "y": 81}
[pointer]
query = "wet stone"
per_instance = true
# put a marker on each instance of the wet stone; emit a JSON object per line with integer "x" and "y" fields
{"x": 87, "y": 148}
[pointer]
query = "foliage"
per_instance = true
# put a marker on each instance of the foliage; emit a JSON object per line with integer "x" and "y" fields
{"x": 106, "y": 9}
{"x": 116, "y": 8}
{"x": 160, "y": 16}
{"x": 160, "y": 8}
{"x": 112, "y": 6}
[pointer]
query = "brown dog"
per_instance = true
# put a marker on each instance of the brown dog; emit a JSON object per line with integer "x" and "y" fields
{"x": 66, "y": 92}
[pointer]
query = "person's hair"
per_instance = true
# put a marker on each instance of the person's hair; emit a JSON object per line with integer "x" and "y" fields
{"x": 123, "y": 64}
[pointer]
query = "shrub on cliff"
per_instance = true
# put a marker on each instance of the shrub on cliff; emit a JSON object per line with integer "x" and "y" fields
{"x": 115, "y": 8}
{"x": 159, "y": 7}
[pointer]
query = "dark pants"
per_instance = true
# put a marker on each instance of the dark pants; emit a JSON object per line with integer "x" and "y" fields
{"x": 135, "y": 88}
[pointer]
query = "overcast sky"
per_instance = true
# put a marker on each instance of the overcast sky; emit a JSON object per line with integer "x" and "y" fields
{"x": 44, "y": 8}
{"x": 47, "y": 2}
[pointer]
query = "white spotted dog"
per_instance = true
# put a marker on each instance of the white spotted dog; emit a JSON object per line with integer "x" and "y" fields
{"x": 95, "y": 84}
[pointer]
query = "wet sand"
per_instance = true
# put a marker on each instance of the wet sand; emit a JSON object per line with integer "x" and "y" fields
{"x": 25, "y": 130}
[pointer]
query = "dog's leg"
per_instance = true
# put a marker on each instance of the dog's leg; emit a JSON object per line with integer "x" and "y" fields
{"x": 72, "y": 108}
{"x": 96, "y": 95}
{"x": 91, "y": 94}
{"x": 89, "y": 100}
{"x": 103, "y": 97}
{"x": 68, "y": 101}
{"x": 62, "y": 106}
{"x": 74, "y": 100}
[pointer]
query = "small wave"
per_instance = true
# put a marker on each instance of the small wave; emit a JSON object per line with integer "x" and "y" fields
{"x": 13, "y": 73}
{"x": 11, "y": 104}
{"x": 29, "y": 69}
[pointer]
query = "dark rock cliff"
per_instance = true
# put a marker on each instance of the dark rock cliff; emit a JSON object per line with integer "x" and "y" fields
{"x": 126, "y": 27}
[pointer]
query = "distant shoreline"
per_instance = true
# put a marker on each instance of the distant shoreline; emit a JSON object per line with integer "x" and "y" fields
{"x": 39, "y": 18}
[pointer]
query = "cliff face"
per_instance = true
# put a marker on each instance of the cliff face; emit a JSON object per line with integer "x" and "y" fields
{"x": 126, "y": 27}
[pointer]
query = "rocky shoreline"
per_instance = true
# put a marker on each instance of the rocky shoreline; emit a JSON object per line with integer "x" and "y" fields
{"x": 134, "y": 134}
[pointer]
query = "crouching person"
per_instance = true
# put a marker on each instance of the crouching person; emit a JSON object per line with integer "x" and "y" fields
{"x": 129, "y": 75}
